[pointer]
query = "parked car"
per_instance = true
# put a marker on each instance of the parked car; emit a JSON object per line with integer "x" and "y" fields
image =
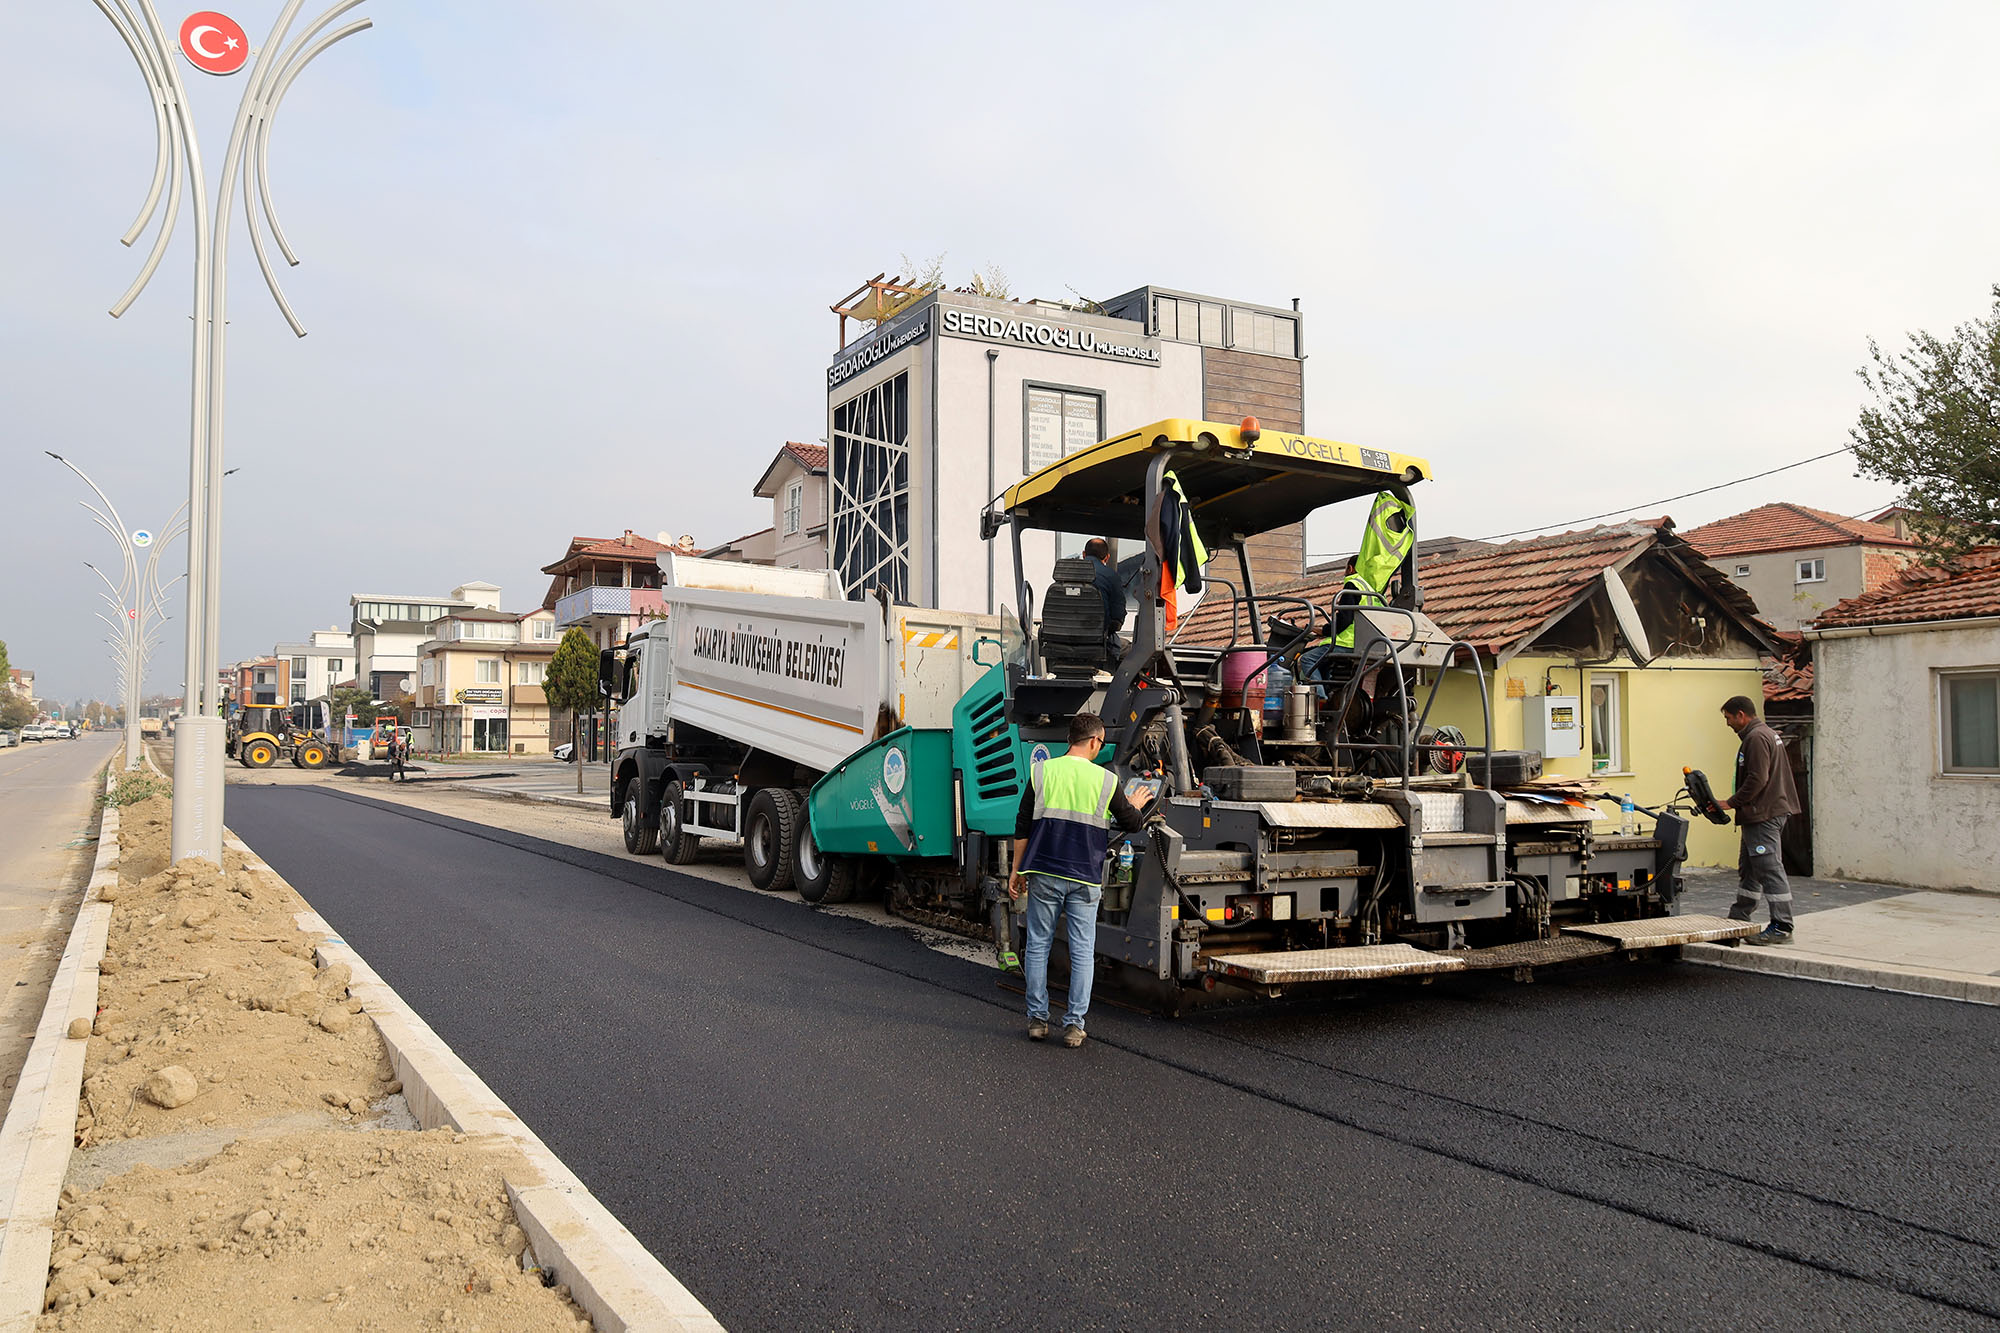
{"x": 32, "y": 732}
{"x": 8, "y": 738}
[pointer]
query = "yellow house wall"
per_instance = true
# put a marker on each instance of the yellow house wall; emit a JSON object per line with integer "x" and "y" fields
{"x": 1672, "y": 718}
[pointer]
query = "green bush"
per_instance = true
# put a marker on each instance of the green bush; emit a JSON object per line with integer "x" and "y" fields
{"x": 134, "y": 787}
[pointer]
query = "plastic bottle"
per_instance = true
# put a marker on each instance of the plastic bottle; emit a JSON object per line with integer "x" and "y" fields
{"x": 1125, "y": 862}
{"x": 1277, "y": 680}
{"x": 1627, "y": 823}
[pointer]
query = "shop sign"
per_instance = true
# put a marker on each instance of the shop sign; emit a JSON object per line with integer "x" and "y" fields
{"x": 886, "y": 343}
{"x": 477, "y": 694}
{"x": 490, "y": 712}
{"x": 1044, "y": 333}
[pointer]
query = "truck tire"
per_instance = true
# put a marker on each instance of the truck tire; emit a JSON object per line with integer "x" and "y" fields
{"x": 259, "y": 753}
{"x": 821, "y": 878}
{"x": 770, "y": 839}
{"x": 678, "y": 847}
{"x": 639, "y": 840}
{"x": 311, "y": 755}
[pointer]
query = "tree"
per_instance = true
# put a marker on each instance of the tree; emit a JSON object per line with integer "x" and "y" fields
{"x": 571, "y": 683}
{"x": 5, "y": 665}
{"x": 353, "y": 698}
{"x": 15, "y": 712}
{"x": 1934, "y": 430}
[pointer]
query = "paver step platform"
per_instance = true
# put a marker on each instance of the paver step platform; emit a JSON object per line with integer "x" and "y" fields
{"x": 1537, "y": 953}
{"x": 1361, "y": 962}
{"x": 1660, "y": 931}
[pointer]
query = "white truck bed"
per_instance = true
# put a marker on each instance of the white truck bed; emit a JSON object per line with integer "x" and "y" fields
{"x": 808, "y": 678}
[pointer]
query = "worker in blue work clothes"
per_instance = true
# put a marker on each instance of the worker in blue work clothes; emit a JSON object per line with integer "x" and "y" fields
{"x": 1060, "y": 840}
{"x": 1112, "y": 590}
{"x": 1765, "y": 798}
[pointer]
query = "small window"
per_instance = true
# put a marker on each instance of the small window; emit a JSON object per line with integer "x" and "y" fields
{"x": 1607, "y": 724}
{"x": 298, "y": 668}
{"x": 1166, "y": 317}
{"x": 298, "y": 694}
{"x": 334, "y": 666}
{"x": 1971, "y": 703}
{"x": 426, "y": 672}
{"x": 420, "y": 717}
{"x": 530, "y": 673}
{"x": 1743, "y": 571}
{"x": 545, "y": 630}
{"x": 1211, "y": 324}
{"x": 489, "y": 671}
{"x": 795, "y": 502}
{"x": 1812, "y": 571}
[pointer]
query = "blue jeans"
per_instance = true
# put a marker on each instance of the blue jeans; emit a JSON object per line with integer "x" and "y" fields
{"x": 1049, "y": 898}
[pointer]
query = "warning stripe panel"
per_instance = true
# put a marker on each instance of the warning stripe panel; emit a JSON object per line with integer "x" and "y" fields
{"x": 930, "y": 638}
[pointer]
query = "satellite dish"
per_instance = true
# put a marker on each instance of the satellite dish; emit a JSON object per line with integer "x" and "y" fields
{"x": 406, "y": 683}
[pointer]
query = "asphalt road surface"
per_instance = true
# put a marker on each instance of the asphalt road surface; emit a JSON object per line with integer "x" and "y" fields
{"x": 47, "y": 809}
{"x": 818, "y": 1123}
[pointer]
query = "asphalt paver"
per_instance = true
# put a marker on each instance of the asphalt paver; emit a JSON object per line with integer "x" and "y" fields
{"x": 818, "y": 1123}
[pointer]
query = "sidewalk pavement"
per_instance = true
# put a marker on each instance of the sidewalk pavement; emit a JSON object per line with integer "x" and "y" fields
{"x": 541, "y": 780}
{"x": 1882, "y": 936}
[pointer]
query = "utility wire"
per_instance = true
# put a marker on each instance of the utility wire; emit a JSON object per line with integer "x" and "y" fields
{"x": 1721, "y": 485}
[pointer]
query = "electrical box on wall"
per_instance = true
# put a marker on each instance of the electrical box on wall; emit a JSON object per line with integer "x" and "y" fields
{"x": 1553, "y": 724}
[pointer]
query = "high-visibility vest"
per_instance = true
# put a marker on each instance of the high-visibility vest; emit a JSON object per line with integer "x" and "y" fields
{"x": 1072, "y": 820}
{"x": 1182, "y": 555}
{"x": 1386, "y": 543}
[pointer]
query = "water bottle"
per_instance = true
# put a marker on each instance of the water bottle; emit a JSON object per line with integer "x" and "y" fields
{"x": 1277, "y": 680}
{"x": 1627, "y": 824}
{"x": 1125, "y": 862}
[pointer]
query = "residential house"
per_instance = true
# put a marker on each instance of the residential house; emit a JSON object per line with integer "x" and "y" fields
{"x": 387, "y": 629}
{"x": 1796, "y": 562}
{"x": 1623, "y": 685}
{"x": 257, "y": 682}
{"x": 479, "y": 683}
{"x": 609, "y": 586}
{"x": 1906, "y": 763}
{"x": 752, "y": 548}
{"x": 22, "y": 682}
{"x": 795, "y": 484}
{"x": 315, "y": 667}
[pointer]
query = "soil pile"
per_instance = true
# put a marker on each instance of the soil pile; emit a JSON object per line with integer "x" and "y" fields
{"x": 219, "y": 1045}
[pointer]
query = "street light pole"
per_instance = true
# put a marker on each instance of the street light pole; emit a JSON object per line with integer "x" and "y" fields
{"x": 198, "y": 745}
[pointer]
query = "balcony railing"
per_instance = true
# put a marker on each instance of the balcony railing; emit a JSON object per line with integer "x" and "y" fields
{"x": 579, "y": 606}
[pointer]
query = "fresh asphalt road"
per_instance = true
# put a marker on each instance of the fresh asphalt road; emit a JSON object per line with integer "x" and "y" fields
{"x": 819, "y": 1123}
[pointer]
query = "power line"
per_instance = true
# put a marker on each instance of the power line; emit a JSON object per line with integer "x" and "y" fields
{"x": 1626, "y": 509}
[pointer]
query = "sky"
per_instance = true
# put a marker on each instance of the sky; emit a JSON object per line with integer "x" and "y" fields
{"x": 566, "y": 268}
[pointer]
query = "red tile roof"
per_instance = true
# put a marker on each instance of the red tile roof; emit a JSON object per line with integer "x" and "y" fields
{"x": 1499, "y": 598}
{"x": 812, "y": 456}
{"x": 1788, "y": 674}
{"x": 1786, "y": 527}
{"x": 1962, "y": 587}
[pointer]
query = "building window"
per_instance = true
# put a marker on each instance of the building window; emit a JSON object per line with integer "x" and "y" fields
{"x": 298, "y": 694}
{"x": 795, "y": 503}
{"x": 1260, "y": 331}
{"x": 262, "y": 678}
{"x": 1971, "y": 702}
{"x": 1056, "y": 422}
{"x": 1607, "y": 724}
{"x": 333, "y": 669}
{"x": 869, "y": 471}
{"x": 1743, "y": 571}
{"x": 1189, "y": 321}
{"x": 426, "y": 672}
{"x": 298, "y": 668}
{"x": 488, "y": 671}
{"x": 420, "y": 717}
{"x": 545, "y": 631}
{"x": 1812, "y": 571}
{"x": 530, "y": 673}
{"x": 489, "y": 735}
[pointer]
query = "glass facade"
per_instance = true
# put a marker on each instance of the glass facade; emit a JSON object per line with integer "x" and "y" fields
{"x": 869, "y": 472}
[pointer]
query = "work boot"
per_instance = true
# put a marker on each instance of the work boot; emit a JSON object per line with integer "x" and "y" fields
{"x": 1038, "y": 1029}
{"x": 1072, "y": 1036}
{"x": 1772, "y": 934}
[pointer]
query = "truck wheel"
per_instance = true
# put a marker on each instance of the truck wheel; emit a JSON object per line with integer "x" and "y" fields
{"x": 770, "y": 839}
{"x": 676, "y": 846}
{"x": 312, "y": 756}
{"x": 639, "y": 840}
{"x": 260, "y": 754}
{"x": 819, "y": 877}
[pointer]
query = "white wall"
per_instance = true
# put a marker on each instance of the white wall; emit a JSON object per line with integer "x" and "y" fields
{"x": 1881, "y": 808}
{"x": 1773, "y": 581}
{"x": 1133, "y": 396}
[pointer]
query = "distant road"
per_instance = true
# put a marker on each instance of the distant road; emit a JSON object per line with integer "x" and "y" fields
{"x": 47, "y": 803}
{"x": 819, "y": 1123}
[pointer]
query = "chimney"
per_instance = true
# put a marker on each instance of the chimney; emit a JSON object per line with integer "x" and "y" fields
{"x": 627, "y": 538}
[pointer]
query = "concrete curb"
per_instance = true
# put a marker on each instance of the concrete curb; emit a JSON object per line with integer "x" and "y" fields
{"x": 40, "y": 1130}
{"x": 1786, "y": 961}
{"x": 609, "y": 1273}
{"x": 536, "y": 798}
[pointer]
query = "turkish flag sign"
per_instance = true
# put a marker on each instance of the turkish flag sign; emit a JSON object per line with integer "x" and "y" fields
{"x": 214, "y": 43}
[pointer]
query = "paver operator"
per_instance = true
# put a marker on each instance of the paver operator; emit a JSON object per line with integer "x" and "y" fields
{"x": 1060, "y": 841}
{"x": 1765, "y": 798}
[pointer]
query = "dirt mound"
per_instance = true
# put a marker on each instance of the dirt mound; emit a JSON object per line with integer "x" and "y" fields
{"x": 214, "y": 1021}
{"x": 304, "y": 1231}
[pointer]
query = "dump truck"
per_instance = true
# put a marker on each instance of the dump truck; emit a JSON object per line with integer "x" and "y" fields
{"x": 752, "y": 684}
{"x": 1341, "y": 838}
